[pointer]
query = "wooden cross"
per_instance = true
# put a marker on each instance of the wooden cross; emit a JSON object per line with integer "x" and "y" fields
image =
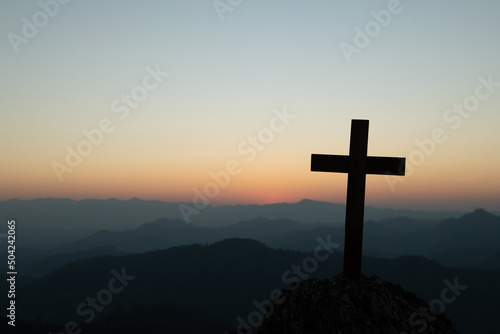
{"x": 356, "y": 165}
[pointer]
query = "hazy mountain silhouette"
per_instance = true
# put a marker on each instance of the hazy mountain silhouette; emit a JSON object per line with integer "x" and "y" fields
{"x": 112, "y": 214}
{"x": 218, "y": 283}
{"x": 469, "y": 241}
{"x": 165, "y": 233}
{"x": 225, "y": 278}
{"x": 40, "y": 237}
{"x": 47, "y": 264}
{"x": 465, "y": 241}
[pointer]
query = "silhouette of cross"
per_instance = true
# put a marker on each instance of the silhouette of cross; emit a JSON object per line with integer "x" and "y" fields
{"x": 356, "y": 165}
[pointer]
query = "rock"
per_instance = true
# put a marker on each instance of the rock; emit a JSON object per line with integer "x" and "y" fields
{"x": 341, "y": 306}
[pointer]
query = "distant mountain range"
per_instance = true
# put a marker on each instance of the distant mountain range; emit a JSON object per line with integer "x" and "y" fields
{"x": 217, "y": 268}
{"x": 472, "y": 240}
{"x": 49, "y": 223}
{"x": 229, "y": 280}
{"x": 112, "y": 214}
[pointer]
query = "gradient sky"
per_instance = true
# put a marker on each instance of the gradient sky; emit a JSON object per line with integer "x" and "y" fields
{"x": 227, "y": 78}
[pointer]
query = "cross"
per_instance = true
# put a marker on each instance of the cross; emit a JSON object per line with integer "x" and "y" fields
{"x": 356, "y": 165}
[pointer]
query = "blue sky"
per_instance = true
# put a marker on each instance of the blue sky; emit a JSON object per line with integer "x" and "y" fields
{"x": 226, "y": 77}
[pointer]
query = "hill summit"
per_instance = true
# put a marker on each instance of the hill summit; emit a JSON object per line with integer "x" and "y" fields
{"x": 340, "y": 305}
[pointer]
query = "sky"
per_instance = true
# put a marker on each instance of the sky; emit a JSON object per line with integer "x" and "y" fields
{"x": 223, "y": 102}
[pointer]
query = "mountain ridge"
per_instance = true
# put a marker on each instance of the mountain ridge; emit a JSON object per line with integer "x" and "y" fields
{"x": 226, "y": 276}
{"x": 451, "y": 242}
{"x": 92, "y": 214}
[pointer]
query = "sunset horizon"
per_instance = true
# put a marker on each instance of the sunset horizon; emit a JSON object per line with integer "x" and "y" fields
{"x": 184, "y": 166}
{"x": 215, "y": 204}
{"x": 158, "y": 109}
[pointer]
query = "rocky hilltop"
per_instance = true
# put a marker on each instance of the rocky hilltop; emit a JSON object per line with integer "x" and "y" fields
{"x": 340, "y": 305}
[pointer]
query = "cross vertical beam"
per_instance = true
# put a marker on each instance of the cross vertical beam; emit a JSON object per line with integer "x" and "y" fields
{"x": 357, "y": 164}
{"x": 355, "y": 203}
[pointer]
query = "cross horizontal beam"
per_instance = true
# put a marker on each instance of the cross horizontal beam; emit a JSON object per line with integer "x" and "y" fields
{"x": 374, "y": 165}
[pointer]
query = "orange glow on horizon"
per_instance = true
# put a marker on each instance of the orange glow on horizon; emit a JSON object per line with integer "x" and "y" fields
{"x": 268, "y": 179}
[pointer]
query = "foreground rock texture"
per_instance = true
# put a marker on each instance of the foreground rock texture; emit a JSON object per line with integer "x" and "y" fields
{"x": 340, "y": 305}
